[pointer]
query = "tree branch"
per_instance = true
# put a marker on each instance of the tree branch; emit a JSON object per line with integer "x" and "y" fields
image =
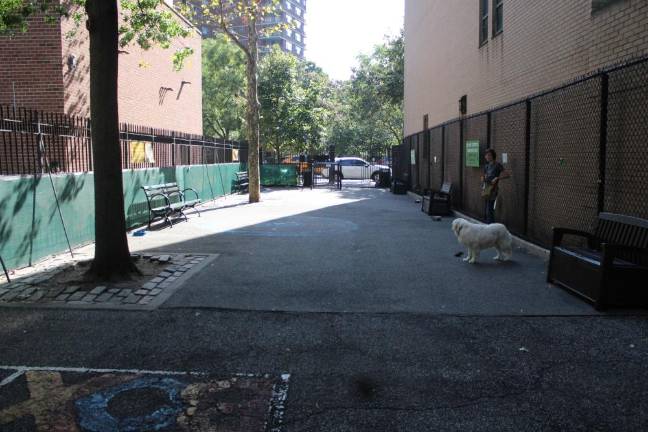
{"x": 222, "y": 23}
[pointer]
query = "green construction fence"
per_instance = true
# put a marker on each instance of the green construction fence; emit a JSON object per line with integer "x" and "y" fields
{"x": 30, "y": 225}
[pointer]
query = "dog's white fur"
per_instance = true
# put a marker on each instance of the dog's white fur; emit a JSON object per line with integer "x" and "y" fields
{"x": 477, "y": 237}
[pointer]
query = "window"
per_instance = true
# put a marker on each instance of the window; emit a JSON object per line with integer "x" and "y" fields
{"x": 358, "y": 162}
{"x": 483, "y": 22}
{"x": 346, "y": 162}
{"x": 498, "y": 17}
{"x": 288, "y": 46}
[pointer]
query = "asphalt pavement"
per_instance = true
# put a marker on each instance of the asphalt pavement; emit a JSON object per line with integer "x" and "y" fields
{"x": 359, "y": 298}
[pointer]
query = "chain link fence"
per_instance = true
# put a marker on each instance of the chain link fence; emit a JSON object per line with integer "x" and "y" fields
{"x": 571, "y": 153}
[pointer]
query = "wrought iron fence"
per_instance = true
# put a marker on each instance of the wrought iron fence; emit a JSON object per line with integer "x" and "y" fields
{"x": 572, "y": 152}
{"x": 35, "y": 142}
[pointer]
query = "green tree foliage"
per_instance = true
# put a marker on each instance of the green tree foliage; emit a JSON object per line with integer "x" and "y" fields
{"x": 368, "y": 116}
{"x": 294, "y": 104}
{"x": 278, "y": 98}
{"x": 302, "y": 111}
{"x": 223, "y": 71}
{"x": 314, "y": 109}
{"x": 253, "y": 15}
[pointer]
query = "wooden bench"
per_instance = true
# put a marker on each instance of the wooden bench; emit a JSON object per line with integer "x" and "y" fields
{"x": 242, "y": 181}
{"x": 612, "y": 270}
{"x": 166, "y": 199}
{"x": 438, "y": 203}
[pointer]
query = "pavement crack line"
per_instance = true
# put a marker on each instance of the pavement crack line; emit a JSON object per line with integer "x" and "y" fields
{"x": 533, "y": 385}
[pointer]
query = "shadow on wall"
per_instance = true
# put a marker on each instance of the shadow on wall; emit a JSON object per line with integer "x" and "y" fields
{"x": 209, "y": 181}
{"x": 30, "y": 225}
{"x": 134, "y": 198}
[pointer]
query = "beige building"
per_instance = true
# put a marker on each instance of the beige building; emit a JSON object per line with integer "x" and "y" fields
{"x": 498, "y": 51}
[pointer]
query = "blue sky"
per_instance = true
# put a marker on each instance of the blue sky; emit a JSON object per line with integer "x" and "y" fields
{"x": 338, "y": 30}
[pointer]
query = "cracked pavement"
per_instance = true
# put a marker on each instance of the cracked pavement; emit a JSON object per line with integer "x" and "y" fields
{"x": 365, "y": 351}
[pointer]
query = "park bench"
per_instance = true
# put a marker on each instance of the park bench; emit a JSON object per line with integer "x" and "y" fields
{"x": 242, "y": 181}
{"x": 438, "y": 203}
{"x": 612, "y": 270}
{"x": 167, "y": 199}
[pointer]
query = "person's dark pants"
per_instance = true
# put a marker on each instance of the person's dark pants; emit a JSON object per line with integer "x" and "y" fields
{"x": 489, "y": 211}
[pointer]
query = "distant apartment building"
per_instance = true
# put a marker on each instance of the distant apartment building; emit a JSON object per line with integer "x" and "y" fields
{"x": 291, "y": 40}
{"x": 47, "y": 69}
{"x": 490, "y": 52}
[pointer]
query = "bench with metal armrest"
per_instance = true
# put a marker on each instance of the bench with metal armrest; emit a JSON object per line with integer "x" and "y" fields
{"x": 242, "y": 181}
{"x": 165, "y": 200}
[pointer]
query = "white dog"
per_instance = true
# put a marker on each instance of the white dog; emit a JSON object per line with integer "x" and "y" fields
{"x": 477, "y": 237}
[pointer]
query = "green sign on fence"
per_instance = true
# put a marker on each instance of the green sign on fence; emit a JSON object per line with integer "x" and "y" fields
{"x": 472, "y": 153}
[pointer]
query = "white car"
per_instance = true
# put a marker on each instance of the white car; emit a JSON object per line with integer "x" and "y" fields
{"x": 354, "y": 168}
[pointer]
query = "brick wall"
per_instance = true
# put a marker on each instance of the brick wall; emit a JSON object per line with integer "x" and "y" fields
{"x": 544, "y": 43}
{"x": 144, "y": 80}
{"x": 37, "y": 62}
{"x": 32, "y": 62}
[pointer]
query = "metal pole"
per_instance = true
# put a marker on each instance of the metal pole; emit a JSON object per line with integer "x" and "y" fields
{"x": 527, "y": 165}
{"x": 461, "y": 164}
{"x": 41, "y": 147}
{"x": 5, "y": 270}
{"x": 603, "y": 141}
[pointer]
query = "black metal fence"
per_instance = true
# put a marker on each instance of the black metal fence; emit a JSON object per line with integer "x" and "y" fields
{"x": 572, "y": 152}
{"x": 34, "y": 142}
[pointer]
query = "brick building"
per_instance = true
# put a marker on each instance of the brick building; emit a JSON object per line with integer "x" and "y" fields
{"x": 497, "y": 51}
{"x": 45, "y": 69}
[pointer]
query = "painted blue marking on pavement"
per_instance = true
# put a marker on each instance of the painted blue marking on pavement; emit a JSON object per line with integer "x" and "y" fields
{"x": 94, "y": 415}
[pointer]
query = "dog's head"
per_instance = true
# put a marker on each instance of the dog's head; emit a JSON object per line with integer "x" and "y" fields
{"x": 458, "y": 225}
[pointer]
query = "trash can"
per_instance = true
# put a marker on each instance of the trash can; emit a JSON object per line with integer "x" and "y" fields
{"x": 399, "y": 187}
{"x": 384, "y": 179}
{"x": 308, "y": 177}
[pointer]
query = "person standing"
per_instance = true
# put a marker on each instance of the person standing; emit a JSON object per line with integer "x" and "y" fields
{"x": 493, "y": 173}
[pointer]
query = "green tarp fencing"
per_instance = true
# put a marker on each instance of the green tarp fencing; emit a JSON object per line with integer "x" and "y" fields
{"x": 30, "y": 226}
{"x": 279, "y": 175}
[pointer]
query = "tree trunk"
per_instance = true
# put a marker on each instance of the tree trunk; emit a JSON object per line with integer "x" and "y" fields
{"x": 253, "y": 113}
{"x": 112, "y": 257}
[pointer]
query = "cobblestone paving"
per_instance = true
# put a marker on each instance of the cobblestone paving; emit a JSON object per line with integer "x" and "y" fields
{"x": 33, "y": 289}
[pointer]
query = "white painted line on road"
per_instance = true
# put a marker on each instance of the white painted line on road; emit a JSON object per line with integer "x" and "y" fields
{"x": 11, "y": 378}
{"x": 22, "y": 369}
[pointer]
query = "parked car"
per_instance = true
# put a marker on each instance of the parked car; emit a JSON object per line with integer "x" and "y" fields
{"x": 355, "y": 168}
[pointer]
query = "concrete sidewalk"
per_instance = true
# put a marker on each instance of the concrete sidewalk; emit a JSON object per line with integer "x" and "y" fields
{"x": 355, "y": 250}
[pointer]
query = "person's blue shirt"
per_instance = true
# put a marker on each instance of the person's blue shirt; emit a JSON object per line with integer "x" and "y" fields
{"x": 492, "y": 170}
